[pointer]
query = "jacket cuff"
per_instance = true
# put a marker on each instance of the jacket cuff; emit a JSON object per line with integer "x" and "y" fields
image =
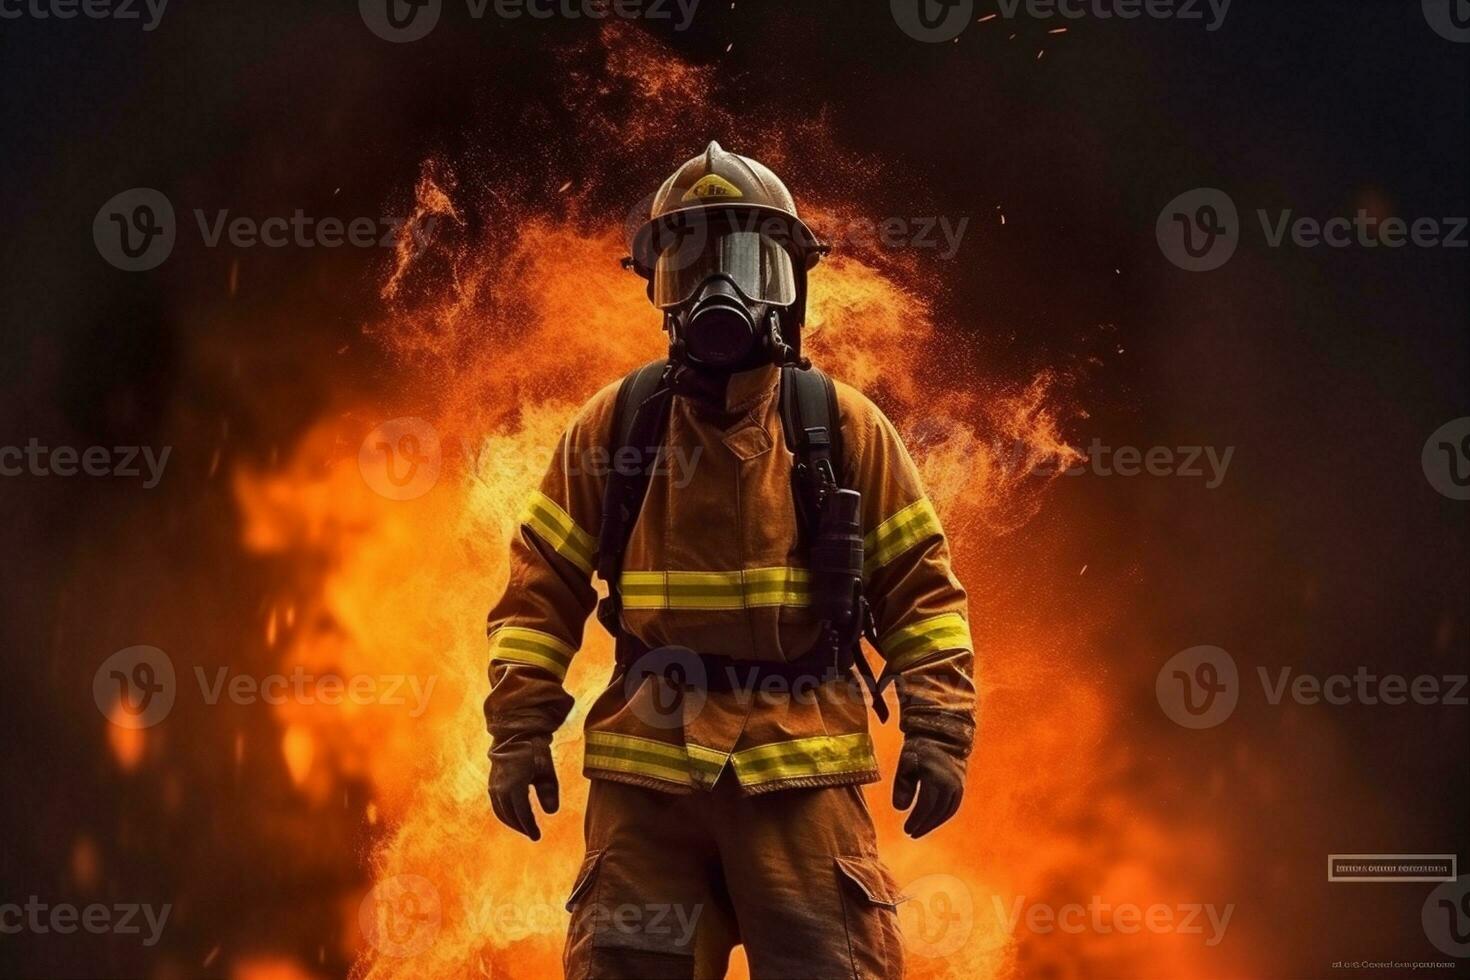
{"x": 520, "y": 726}
{"x": 953, "y": 731}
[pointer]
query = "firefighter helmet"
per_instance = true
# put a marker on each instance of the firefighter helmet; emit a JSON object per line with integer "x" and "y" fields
{"x": 722, "y": 235}
{"x": 718, "y": 182}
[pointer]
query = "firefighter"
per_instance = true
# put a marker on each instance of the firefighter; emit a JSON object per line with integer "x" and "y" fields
{"x": 728, "y": 751}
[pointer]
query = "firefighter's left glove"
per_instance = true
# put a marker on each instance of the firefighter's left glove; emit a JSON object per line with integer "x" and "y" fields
{"x": 517, "y": 765}
{"x": 934, "y": 773}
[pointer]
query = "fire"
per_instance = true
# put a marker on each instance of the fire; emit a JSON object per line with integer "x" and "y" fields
{"x": 499, "y": 336}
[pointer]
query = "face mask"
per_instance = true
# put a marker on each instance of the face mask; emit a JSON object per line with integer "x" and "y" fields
{"x": 719, "y": 329}
{"x": 722, "y": 287}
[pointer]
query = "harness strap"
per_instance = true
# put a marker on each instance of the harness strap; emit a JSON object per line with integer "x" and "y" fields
{"x": 640, "y": 416}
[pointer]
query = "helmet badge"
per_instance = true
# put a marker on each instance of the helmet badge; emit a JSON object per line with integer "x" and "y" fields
{"x": 712, "y": 186}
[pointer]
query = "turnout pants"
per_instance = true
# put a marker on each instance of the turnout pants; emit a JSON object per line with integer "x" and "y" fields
{"x": 671, "y": 883}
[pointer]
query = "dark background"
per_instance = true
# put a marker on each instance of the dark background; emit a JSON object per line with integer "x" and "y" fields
{"x": 1328, "y": 368}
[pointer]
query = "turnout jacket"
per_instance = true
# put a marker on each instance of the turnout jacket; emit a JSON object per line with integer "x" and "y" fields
{"x": 714, "y": 565}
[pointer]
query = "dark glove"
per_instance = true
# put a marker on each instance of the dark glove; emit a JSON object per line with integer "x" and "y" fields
{"x": 517, "y": 764}
{"x": 937, "y": 772}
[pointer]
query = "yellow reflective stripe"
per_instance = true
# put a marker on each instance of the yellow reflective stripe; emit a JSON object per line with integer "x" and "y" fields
{"x": 909, "y": 644}
{"x": 517, "y": 645}
{"x": 740, "y": 589}
{"x": 646, "y": 757}
{"x": 899, "y": 533}
{"x": 817, "y": 756}
{"x": 706, "y": 763}
{"x": 685, "y": 764}
{"x": 556, "y": 527}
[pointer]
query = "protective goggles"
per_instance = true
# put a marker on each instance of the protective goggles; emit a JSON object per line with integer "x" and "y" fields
{"x": 758, "y": 265}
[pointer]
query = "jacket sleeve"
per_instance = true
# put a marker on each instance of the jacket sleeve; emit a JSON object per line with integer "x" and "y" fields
{"x": 919, "y": 607}
{"x": 536, "y": 627}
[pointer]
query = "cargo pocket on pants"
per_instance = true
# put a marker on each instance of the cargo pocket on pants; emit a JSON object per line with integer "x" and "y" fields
{"x": 577, "y": 957}
{"x": 870, "y": 913}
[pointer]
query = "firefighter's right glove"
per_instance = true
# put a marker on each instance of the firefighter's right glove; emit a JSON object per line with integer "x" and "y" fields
{"x": 516, "y": 765}
{"x": 934, "y": 772}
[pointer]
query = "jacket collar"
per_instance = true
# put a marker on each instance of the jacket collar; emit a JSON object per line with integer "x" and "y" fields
{"x": 738, "y": 392}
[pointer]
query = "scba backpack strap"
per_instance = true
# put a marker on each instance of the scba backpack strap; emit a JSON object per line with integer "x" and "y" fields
{"x": 809, "y": 421}
{"x": 813, "y": 430}
{"x": 640, "y": 418}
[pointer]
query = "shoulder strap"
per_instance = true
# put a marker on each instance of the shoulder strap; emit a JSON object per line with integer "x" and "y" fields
{"x": 813, "y": 433}
{"x": 639, "y": 416}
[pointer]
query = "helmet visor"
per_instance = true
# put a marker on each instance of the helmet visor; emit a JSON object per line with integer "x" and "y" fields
{"x": 758, "y": 265}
